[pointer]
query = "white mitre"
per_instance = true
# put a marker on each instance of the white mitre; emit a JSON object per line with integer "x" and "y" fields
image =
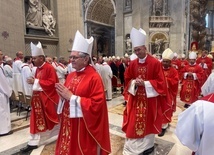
{"x": 126, "y": 55}
{"x": 81, "y": 44}
{"x": 138, "y": 37}
{"x": 167, "y": 54}
{"x": 36, "y": 50}
{"x": 183, "y": 55}
{"x": 192, "y": 55}
{"x": 210, "y": 56}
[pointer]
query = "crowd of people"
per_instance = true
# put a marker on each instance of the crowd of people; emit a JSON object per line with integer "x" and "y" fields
{"x": 69, "y": 97}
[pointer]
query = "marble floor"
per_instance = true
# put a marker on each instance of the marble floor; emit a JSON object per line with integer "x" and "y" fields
{"x": 166, "y": 145}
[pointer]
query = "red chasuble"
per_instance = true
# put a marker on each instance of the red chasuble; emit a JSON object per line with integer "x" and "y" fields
{"x": 172, "y": 79}
{"x": 84, "y": 135}
{"x": 190, "y": 88}
{"x": 183, "y": 64}
{"x": 207, "y": 71}
{"x": 143, "y": 115}
{"x": 43, "y": 113}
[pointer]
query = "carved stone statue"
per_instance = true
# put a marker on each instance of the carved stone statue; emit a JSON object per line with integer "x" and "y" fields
{"x": 39, "y": 17}
{"x": 158, "y": 45}
{"x": 34, "y": 15}
{"x": 128, "y": 44}
{"x": 128, "y": 3}
{"x": 48, "y": 22}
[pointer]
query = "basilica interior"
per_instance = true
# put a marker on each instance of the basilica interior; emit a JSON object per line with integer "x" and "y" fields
{"x": 168, "y": 24}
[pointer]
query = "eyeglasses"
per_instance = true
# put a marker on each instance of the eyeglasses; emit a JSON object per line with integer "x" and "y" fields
{"x": 75, "y": 57}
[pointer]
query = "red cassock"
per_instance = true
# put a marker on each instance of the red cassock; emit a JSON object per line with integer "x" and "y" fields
{"x": 44, "y": 103}
{"x": 142, "y": 115}
{"x": 190, "y": 88}
{"x": 172, "y": 79}
{"x": 83, "y": 135}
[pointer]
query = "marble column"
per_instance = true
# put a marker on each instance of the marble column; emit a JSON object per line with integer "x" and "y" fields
{"x": 119, "y": 29}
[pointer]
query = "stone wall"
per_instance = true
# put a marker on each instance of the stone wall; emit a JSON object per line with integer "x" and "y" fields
{"x": 11, "y": 27}
{"x": 69, "y": 18}
{"x": 177, "y": 29}
{"x": 14, "y": 36}
{"x": 69, "y": 21}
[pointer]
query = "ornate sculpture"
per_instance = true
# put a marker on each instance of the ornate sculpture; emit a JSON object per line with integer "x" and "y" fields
{"x": 128, "y": 44}
{"x": 128, "y": 3}
{"x": 40, "y": 17}
{"x": 86, "y": 4}
{"x": 158, "y": 4}
{"x": 48, "y": 22}
{"x": 34, "y": 15}
{"x": 158, "y": 45}
{"x": 197, "y": 21}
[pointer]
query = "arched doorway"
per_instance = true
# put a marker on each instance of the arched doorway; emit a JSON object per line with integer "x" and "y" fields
{"x": 99, "y": 22}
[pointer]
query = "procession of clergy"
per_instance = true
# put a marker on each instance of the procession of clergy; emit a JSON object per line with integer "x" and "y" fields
{"x": 193, "y": 73}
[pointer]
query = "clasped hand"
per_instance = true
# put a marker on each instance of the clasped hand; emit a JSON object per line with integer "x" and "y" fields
{"x": 63, "y": 91}
{"x": 30, "y": 80}
{"x": 189, "y": 74}
{"x": 139, "y": 81}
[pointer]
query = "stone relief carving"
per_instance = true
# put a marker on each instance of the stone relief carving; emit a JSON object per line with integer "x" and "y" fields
{"x": 159, "y": 43}
{"x": 40, "y": 17}
{"x": 127, "y": 6}
{"x": 128, "y": 3}
{"x": 86, "y": 4}
{"x": 48, "y": 22}
{"x": 128, "y": 43}
{"x": 34, "y": 15}
{"x": 158, "y": 4}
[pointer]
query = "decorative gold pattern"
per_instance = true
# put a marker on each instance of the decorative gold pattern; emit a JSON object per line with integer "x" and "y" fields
{"x": 189, "y": 90}
{"x": 40, "y": 120}
{"x": 66, "y": 124}
{"x": 141, "y": 108}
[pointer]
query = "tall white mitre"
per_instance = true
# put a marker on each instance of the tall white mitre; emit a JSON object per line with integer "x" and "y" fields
{"x": 183, "y": 55}
{"x": 138, "y": 37}
{"x": 36, "y": 50}
{"x": 167, "y": 54}
{"x": 192, "y": 55}
{"x": 81, "y": 44}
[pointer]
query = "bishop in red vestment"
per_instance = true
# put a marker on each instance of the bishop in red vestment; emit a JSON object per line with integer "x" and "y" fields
{"x": 83, "y": 109}
{"x": 44, "y": 99}
{"x": 206, "y": 63}
{"x": 44, "y": 103}
{"x": 172, "y": 80}
{"x": 192, "y": 79}
{"x": 145, "y": 84}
